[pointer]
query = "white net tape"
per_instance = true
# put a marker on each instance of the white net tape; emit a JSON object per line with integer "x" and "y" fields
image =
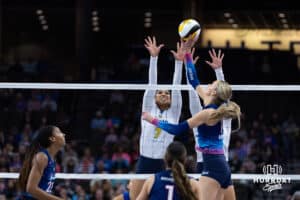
{"x": 85, "y": 86}
{"x": 145, "y": 176}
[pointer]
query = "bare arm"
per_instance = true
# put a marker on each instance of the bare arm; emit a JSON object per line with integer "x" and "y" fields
{"x": 39, "y": 163}
{"x": 195, "y": 188}
{"x": 146, "y": 189}
{"x": 119, "y": 197}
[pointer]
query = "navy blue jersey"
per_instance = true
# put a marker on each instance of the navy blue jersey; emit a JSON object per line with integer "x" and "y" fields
{"x": 164, "y": 187}
{"x": 126, "y": 195}
{"x": 48, "y": 177}
{"x": 210, "y": 138}
{"x": 47, "y": 180}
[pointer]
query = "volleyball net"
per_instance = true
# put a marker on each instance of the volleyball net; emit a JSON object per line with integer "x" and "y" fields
{"x": 244, "y": 93}
{"x": 111, "y": 86}
{"x": 76, "y": 176}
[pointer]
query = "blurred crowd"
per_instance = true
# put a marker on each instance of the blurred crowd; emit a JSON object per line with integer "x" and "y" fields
{"x": 110, "y": 140}
{"x": 103, "y": 127}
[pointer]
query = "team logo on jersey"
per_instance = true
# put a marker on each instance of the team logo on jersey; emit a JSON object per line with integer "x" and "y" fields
{"x": 157, "y": 133}
{"x": 158, "y": 130}
{"x": 205, "y": 172}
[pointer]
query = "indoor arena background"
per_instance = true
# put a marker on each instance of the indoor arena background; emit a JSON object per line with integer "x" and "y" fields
{"x": 91, "y": 41}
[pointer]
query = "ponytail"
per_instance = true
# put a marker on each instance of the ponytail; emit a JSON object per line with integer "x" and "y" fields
{"x": 182, "y": 181}
{"x": 41, "y": 140}
{"x": 228, "y": 110}
{"x": 27, "y": 164}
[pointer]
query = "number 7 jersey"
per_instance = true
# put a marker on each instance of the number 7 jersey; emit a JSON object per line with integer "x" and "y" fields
{"x": 154, "y": 141}
{"x": 164, "y": 187}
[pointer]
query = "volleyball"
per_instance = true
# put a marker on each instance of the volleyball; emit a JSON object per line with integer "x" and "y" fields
{"x": 189, "y": 29}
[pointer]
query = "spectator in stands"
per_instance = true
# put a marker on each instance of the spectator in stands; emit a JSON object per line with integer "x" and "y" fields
{"x": 86, "y": 164}
{"x": 49, "y": 104}
{"x": 98, "y": 123}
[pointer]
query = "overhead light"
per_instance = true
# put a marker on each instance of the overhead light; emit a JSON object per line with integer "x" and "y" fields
{"x": 281, "y": 15}
{"x": 39, "y": 12}
{"x": 231, "y": 20}
{"x": 235, "y": 25}
{"x": 41, "y": 17}
{"x": 43, "y": 22}
{"x": 147, "y": 25}
{"x": 95, "y": 13}
{"x": 45, "y": 27}
{"x": 148, "y": 14}
{"x": 95, "y": 23}
{"x": 227, "y": 14}
{"x": 96, "y": 29}
{"x": 148, "y": 19}
{"x": 284, "y": 21}
{"x": 95, "y": 18}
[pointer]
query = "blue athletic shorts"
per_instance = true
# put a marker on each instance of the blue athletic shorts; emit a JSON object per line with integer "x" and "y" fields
{"x": 23, "y": 197}
{"x": 215, "y": 166}
{"x": 149, "y": 165}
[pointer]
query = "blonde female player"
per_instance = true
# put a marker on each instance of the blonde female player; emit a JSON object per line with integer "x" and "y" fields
{"x": 163, "y": 105}
{"x": 216, "y": 176}
{"x": 195, "y": 107}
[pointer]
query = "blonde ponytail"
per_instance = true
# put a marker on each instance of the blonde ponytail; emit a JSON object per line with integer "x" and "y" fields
{"x": 227, "y": 110}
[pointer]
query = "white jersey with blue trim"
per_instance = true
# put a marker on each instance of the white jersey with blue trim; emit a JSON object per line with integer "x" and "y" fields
{"x": 153, "y": 140}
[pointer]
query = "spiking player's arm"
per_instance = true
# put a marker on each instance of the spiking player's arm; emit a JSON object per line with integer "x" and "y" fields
{"x": 194, "y": 100}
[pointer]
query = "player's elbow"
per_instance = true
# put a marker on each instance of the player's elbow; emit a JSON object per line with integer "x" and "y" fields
{"x": 31, "y": 189}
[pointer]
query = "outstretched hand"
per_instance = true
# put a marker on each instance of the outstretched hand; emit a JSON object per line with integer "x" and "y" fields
{"x": 196, "y": 58}
{"x": 152, "y": 47}
{"x": 179, "y": 54}
{"x": 182, "y": 50}
{"x": 217, "y": 60}
{"x": 188, "y": 45}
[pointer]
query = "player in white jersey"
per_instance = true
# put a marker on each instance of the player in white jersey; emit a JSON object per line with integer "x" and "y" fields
{"x": 164, "y": 105}
{"x": 195, "y": 107}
